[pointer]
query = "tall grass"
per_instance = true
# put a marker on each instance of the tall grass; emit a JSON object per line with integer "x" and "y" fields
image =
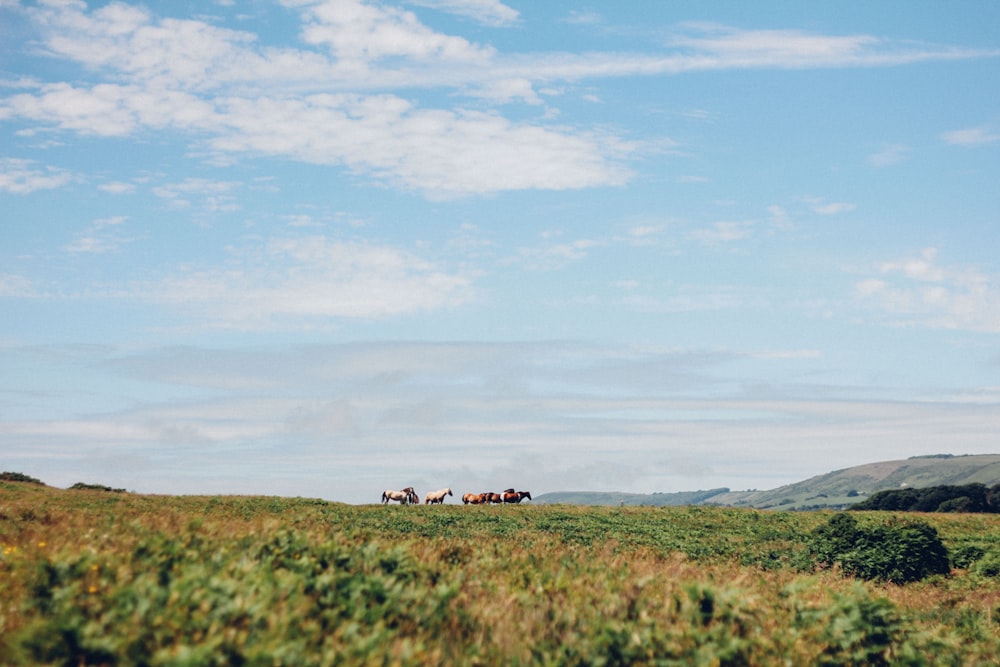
{"x": 95, "y": 578}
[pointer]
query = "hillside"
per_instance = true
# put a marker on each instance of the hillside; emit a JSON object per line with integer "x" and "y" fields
{"x": 836, "y": 489}
{"x": 630, "y": 499}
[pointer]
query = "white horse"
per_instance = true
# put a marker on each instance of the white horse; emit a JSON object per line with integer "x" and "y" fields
{"x": 405, "y": 497}
{"x": 437, "y": 497}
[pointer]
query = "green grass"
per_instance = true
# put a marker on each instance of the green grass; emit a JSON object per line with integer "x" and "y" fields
{"x": 89, "y": 577}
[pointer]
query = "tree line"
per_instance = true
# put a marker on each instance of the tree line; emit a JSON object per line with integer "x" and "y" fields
{"x": 973, "y": 497}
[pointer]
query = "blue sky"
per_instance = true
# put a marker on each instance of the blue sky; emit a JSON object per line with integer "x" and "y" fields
{"x": 328, "y": 247}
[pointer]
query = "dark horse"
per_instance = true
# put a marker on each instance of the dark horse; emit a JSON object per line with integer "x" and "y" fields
{"x": 512, "y": 496}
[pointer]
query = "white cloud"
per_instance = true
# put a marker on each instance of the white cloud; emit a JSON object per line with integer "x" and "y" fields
{"x": 356, "y": 31}
{"x": 23, "y": 177}
{"x": 487, "y": 12}
{"x": 363, "y": 414}
{"x": 723, "y": 232}
{"x": 91, "y": 244}
{"x": 695, "y": 298}
{"x": 714, "y": 46}
{"x": 577, "y": 17}
{"x": 889, "y": 155}
{"x": 920, "y": 268}
{"x": 554, "y": 256}
{"x": 821, "y": 206}
{"x": 110, "y": 110}
{"x": 16, "y": 286}
{"x": 442, "y": 153}
{"x": 101, "y": 237}
{"x": 920, "y": 291}
{"x": 645, "y": 233}
{"x": 162, "y": 73}
{"x": 291, "y": 283}
{"x": 162, "y": 53}
{"x": 117, "y": 187}
{"x": 212, "y": 195}
{"x": 971, "y": 137}
{"x": 505, "y": 91}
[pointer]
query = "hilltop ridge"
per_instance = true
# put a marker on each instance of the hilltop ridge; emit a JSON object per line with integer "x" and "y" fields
{"x": 836, "y": 489}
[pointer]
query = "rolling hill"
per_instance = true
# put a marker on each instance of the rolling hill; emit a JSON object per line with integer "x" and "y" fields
{"x": 836, "y": 489}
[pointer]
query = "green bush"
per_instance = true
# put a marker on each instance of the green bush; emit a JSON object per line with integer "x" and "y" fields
{"x": 988, "y": 565}
{"x": 287, "y": 601}
{"x": 859, "y": 630}
{"x": 898, "y": 552}
{"x": 83, "y": 486}
{"x": 19, "y": 477}
{"x": 967, "y": 555}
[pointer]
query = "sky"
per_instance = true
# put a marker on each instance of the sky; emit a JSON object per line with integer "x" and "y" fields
{"x": 325, "y": 248}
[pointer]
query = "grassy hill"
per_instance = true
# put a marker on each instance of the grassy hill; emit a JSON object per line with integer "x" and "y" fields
{"x": 836, "y": 489}
{"x": 92, "y": 577}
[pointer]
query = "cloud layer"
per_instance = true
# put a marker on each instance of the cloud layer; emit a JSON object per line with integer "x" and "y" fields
{"x": 319, "y": 102}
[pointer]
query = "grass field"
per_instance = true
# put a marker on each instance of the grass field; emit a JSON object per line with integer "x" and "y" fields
{"x": 92, "y": 578}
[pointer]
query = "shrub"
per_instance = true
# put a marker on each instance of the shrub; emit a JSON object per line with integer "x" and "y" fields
{"x": 858, "y": 630}
{"x": 988, "y": 565}
{"x": 19, "y": 477}
{"x": 899, "y": 552}
{"x": 967, "y": 555}
{"x": 82, "y": 486}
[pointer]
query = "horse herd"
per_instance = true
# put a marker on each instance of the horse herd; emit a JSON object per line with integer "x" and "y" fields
{"x": 408, "y": 496}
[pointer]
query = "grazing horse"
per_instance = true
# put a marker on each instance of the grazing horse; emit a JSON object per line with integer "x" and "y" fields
{"x": 437, "y": 497}
{"x": 474, "y": 498}
{"x": 405, "y": 497}
{"x": 512, "y": 496}
{"x": 494, "y": 498}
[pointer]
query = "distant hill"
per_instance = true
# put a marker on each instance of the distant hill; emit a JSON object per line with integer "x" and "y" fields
{"x": 655, "y": 499}
{"x": 837, "y": 489}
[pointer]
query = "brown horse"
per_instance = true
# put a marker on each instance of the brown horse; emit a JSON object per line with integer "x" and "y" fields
{"x": 474, "y": 498}
{"x": 494, "y": 498}
{"x": 512, "y": 496}
{"x": 405, "y": 497}
{"x": 437, "y": 497}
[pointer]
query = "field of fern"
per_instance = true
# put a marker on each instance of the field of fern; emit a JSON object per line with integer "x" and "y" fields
{"x": 97, "y": 578}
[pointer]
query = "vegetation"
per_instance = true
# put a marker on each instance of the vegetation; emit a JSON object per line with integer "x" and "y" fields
{"x": 899, "y": 551}
{"x": 18, "y": 477}
{"x": 81, "y": 486}
{"x": 945, "y": 498}
{"x": 129, "y": 579}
